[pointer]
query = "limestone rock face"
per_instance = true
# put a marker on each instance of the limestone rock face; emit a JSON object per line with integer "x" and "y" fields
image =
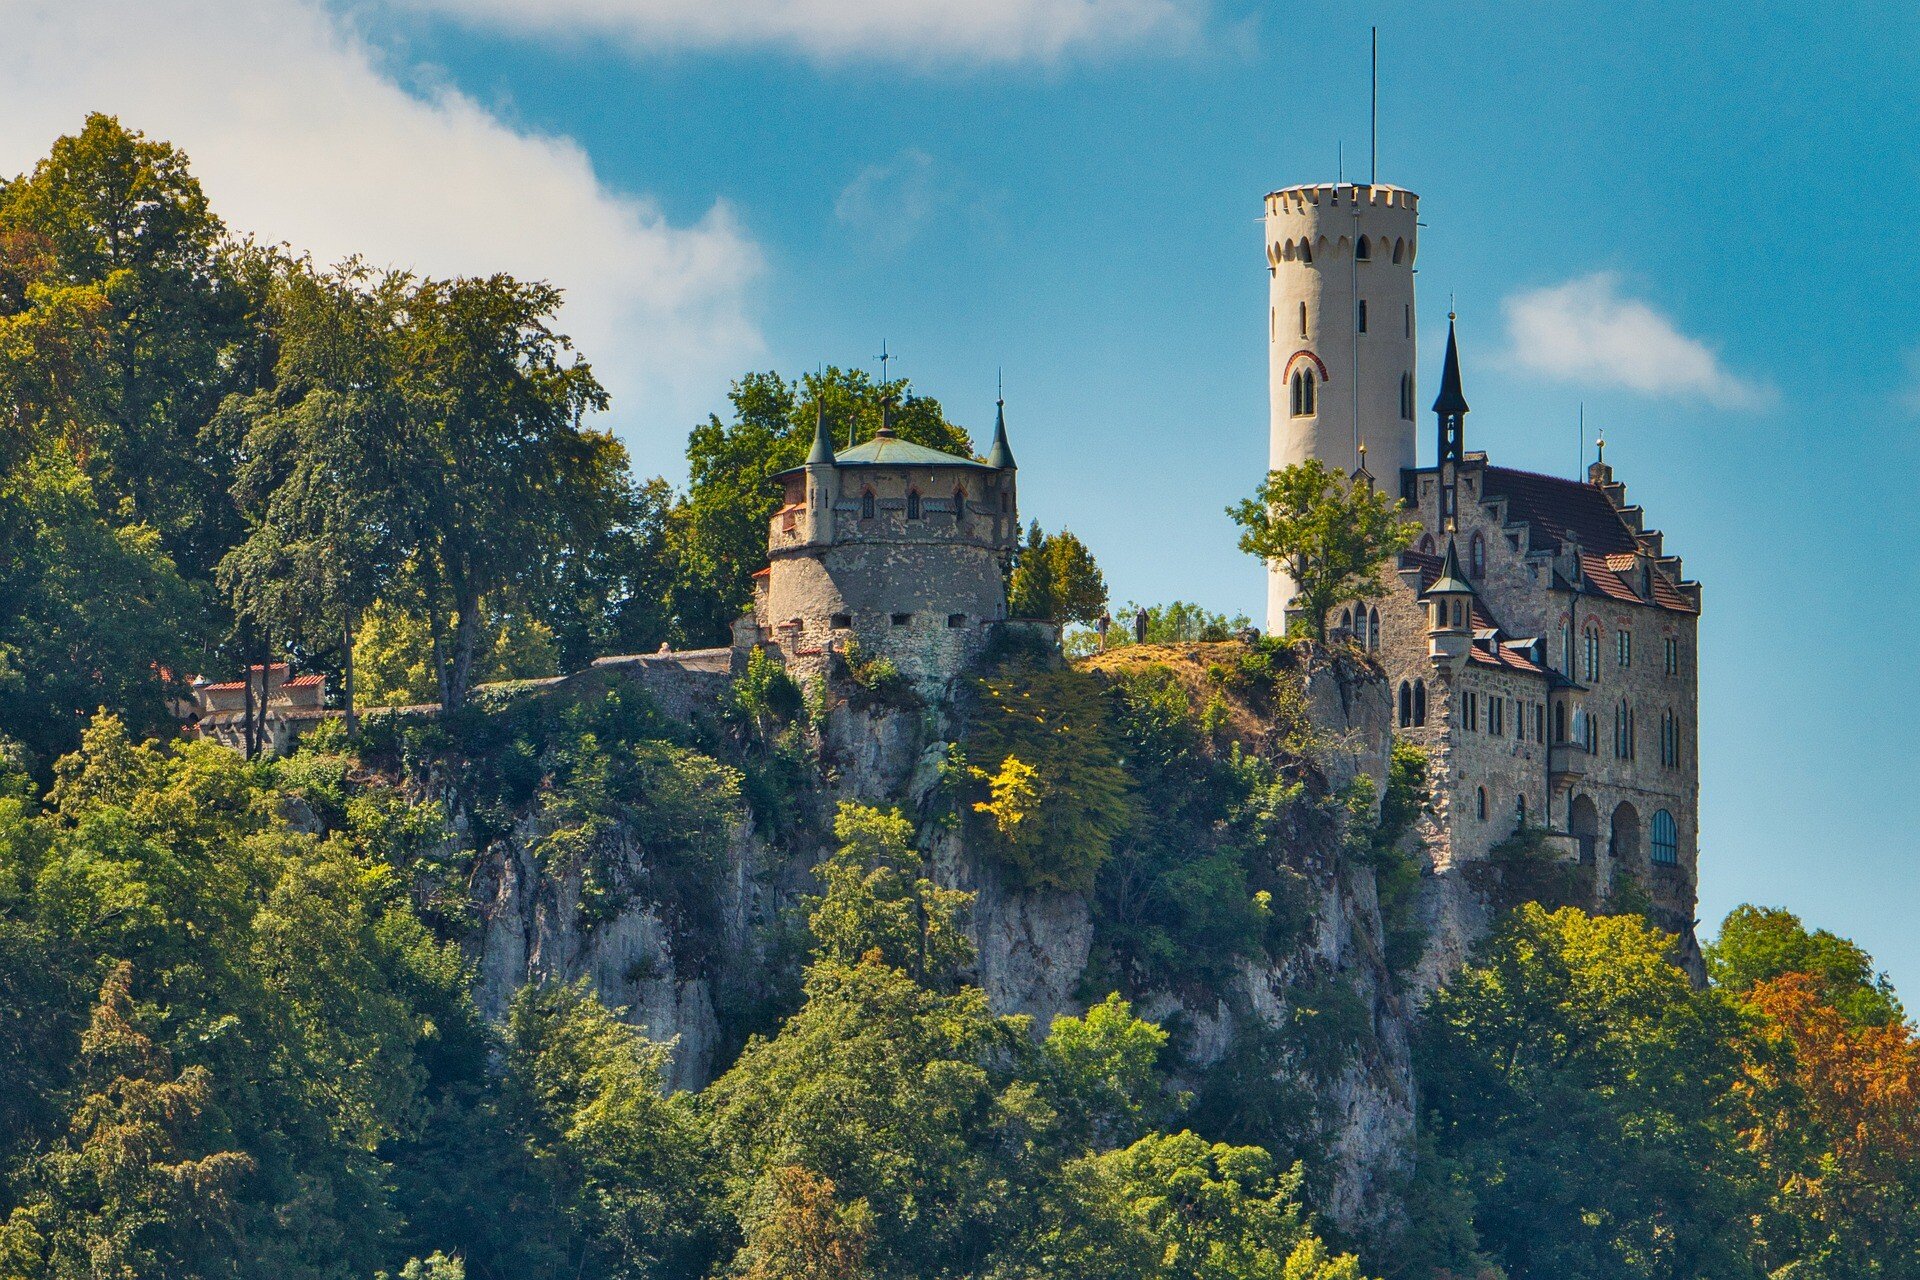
{"x": 1032, "y": 946}
{"x": 531, "y": 929}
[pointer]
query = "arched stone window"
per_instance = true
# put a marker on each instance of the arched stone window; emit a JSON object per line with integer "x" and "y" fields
{"x": 1666, "y": 840}
{"x": 1480, "y": 803}
{"x": 1426, "y": 544}
{"x": 1590, "y": 653}
{"x": 1406, "y": 705}
{"x": 1373, "y": 629}
{"x": 1419, "y": 702}
{"x": 1346, "y": 621}
{"x": 1364, "y": 250}
{"x": 1669, "y": 739}
{"x": 913, "y": 504}
{"x": 868, "y": 507}
{"x": 1303, "y": 390}
{"x": 1477, "y": 556}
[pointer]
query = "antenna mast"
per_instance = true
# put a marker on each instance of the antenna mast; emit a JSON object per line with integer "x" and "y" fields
{"x": 1373, "y": 169}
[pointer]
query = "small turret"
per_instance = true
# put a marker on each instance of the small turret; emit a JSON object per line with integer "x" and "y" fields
{"x": 822, "y": 481}
{"x": 822, "y": 451}
{"x": 1450, "y": 634}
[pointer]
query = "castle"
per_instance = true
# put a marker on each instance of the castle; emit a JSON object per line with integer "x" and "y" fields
{"x": 887, "y": 550}
{"x": 1539, "y": 640}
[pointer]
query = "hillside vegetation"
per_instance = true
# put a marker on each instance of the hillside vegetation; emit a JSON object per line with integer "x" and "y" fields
{"x": 1088, "y": 970}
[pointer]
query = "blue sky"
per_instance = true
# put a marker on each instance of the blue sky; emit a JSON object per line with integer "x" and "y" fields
{"x": 1697, "y": 222}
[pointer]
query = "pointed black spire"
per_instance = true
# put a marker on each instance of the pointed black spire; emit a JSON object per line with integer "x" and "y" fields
{"x": 1000, "y": 455}
{"x": 1450, "y": 401}
{"x": 822, "y": 442}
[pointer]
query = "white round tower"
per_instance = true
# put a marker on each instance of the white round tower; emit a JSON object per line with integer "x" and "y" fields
{"x": 1340, "y": 338}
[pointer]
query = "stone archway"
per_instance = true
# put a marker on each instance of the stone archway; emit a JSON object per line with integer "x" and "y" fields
{"x": 1583, "y": 821}
{"x": 1624, "y": 852}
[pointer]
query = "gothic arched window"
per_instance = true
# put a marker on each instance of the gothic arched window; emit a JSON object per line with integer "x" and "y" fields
{"x": 1373, "y": 629}
{"x": 913, "y": 504}
{"x": 1346, "y": 621}
{"x": 1303, "y": 394}
{"x": 867, "y": 505}
{"x": 1406, "y": 705}
{"x": 1419, "y": 702}
{"x": 1364, "y": 250}
{"x": 1426, "y": 544}
{"x": 1477, "y": 556}
{"x": 1666, "y": 840}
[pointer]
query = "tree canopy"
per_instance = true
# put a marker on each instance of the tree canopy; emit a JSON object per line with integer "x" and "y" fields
{"x": 1331, "y": 537}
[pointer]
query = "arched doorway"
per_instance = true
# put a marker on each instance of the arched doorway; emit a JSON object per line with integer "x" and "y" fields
{"x": 1623, "y": 842}
{"x": 1583, "y": 820}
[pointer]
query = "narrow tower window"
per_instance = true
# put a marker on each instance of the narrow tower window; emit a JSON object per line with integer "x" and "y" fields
{"x": 1419, "y": 702}
{"x": 1362, "y": 318}
{"x": 1303, "y": 319}
{"x": 913, "y": 504}
{"x": 1406, "y": 396}
{"x": 1364, "y": 250}
{"x": 1409, "y": 319}
{"x": 1373, "y": 629}
{"x": 1480, "y": 803}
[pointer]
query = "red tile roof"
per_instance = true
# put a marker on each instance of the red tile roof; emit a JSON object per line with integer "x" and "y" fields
{"x": 1558, "y": 509}
{"x": 303, "y": 682}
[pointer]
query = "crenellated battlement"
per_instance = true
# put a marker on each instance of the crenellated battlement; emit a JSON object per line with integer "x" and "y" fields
{"x": 1341, "y": 195}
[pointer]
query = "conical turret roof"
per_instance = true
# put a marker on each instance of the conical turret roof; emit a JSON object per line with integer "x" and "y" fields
{"x": 1450, "y": 400}
{"x": 999, "y": 455}
{"x": 1450, "y": 582}
{"x": 822, "y": 450}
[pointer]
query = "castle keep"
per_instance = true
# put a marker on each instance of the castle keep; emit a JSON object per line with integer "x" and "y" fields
{"x": 888, "y": 549}
{"x": 1539, "y": 639}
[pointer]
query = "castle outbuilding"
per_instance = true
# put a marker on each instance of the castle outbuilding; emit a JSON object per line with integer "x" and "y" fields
{"x": 1539, "y": 639}
{"x": 889, "y": 547}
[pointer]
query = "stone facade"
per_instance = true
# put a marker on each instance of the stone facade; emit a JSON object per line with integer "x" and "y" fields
{"x": 889, "y": 549}
{"x": 1571, "y": 705}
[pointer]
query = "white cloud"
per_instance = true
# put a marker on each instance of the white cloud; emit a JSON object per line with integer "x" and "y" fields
{"x": 916, "y": 31}
{"x": 1586, "y": 331}
{"x": 889, "y": 203}
{"x": 299, "y": 133}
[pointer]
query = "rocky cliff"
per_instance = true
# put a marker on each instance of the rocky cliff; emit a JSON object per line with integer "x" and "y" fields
{"x": 1313, "y": 1013}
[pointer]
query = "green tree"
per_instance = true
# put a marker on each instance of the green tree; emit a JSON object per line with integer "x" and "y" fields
{"x": 1055, "y": 579}
{"x": 110, "y": 242}
{"x": 876, "y": 901}
{"x": 623, "y": 1162}
{"x": 1329, "y": 536}
{"x": 122, "y": 1195}
{"x": 1176, "y": 1207}
{"x": 1759, "y": 944}
{"x": 802, "y": 1232}
{"x": 717, "y": 535}
{"x": 394, "y": 654}
{"x": 92, "y": 611}
{"x": 1055, "y": 818}
{"x": 1584, "y": 1092}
